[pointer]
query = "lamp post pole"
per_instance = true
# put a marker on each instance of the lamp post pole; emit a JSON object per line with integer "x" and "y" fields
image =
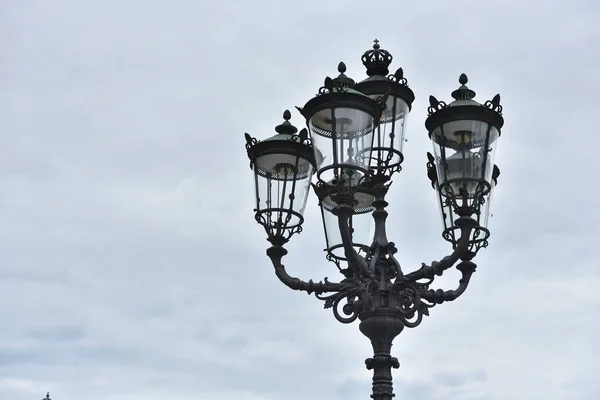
{"x": 353, "y": 146}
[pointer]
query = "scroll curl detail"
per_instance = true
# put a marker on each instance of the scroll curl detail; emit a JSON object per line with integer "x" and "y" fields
{"x": 411, "y": 303}
{"x": 357, "y": 298}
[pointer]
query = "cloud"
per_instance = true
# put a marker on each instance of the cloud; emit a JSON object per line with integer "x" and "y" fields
{"x": 130, "y": 263}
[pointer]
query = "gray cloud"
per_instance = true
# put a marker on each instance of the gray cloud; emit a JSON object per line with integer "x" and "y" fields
{"x": 130, "y": 263}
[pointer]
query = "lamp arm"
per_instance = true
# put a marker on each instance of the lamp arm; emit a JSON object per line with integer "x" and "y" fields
{"x": 439, "y": 296}
{"x": 276, "y": 253}
{"x": 355, "y": 261}
{"x": 462, "y": 250}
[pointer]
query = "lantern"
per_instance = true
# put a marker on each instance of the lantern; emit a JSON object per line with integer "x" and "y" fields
{"x": 361, "y": 222}
{"x": 283, "y": 166}
{"x": 465, "y": 135}
{"x": 341, "y": 122}
{"x": 396, "y": 98}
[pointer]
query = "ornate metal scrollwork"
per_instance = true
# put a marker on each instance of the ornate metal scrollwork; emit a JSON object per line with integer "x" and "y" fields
{"x": 411, "y": 303}
{"x": 250, "y": 141}
{"x": 494, "y": 104}
{"x": 339, "y": 84}
{"x": 302, "y": 138}
{"x": 374, "y": 288}
{"x": 357, "y": 298}
{"x": 382, "y": 101}
{"x": 398, "y": 77}
{"x": 330, "y": 86}
{"x": 431, "y": 169}
{"x": 435, "y": 105}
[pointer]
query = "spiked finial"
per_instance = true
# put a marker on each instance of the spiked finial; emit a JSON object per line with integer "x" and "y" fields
{"x": 286, "y": 127}
{"x": 495, "y": 174}
{"x": 399, "y": 75}
{"x": 431, "y": 169}
{"x": 496, "y": 100}
{"x": 433, "y": 102}
{"x": 463, "y": 92}
{"x": 342, "y": 80}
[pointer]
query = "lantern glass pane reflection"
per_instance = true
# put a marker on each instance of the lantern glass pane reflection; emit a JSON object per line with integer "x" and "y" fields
{"x": 282, "y": 186}
{"x": 387, "y": 144}
{"x": 362, "y": 227}
{"x": 464, "y": 153}
{"x": 342, "y": 139}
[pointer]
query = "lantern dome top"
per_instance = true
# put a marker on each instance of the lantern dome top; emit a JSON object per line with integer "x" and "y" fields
{"x": 286, "y": 127}
{"x": 463, "y": 94}
{"x": 343, "y": 80}
{"x": 463, "y": 108}
{"x": 286, "y": 141}
{"x": 340, "y": 92}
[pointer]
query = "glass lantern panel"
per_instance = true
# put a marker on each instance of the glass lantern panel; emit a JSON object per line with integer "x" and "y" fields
{"x": 390, "y": 132}
{"x": 282, "y": 189}
{"x": 342, "y": 139}
{"x": 449, "y": 215}
{"x": 362, "y": 228}
{"x": 464, "y": 155}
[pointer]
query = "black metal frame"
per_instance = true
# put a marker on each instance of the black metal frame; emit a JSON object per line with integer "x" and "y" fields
{"x": 288, "y": 142}
{"x": 374, "y": 288}
{"x": 463, "y": 108}
{"x": 340, "y": 93}
{"x": 381, "y": 86}
{"x": 376, "y": 291}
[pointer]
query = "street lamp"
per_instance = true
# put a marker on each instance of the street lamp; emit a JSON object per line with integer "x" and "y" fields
{"x": 354, "y": 145}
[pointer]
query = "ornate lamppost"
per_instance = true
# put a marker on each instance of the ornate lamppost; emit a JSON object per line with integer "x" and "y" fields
{"x": 353, "y": 146}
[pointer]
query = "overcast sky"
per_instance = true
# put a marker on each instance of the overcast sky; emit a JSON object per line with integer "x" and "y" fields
{"x": 131, "y": 267}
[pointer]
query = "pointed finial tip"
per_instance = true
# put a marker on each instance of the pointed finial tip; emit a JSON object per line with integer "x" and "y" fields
{"x": 399, "y": 73}
{"x": 287, "y": 115}
{"x": 376, "y": 44}
{"x": 463, "y": 79}
{"x": 341, "y": 67}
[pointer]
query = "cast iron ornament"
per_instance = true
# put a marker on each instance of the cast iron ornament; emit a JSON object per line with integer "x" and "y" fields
{"x": 374, "y": 288}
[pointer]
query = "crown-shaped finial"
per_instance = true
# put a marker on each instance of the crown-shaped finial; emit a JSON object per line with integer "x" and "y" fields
{"x": 463, "y": 92}
{"x": 377, "y": 60}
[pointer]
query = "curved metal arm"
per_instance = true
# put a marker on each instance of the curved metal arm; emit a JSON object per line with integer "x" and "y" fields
{"x": 462, "y": 250}
{"x": 276, "y": 253}
{"x": 355, "y": 261}
{"x": 439, "y": 296}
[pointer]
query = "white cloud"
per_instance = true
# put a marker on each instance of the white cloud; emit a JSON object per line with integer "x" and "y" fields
{"x": 130, "y": 263}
